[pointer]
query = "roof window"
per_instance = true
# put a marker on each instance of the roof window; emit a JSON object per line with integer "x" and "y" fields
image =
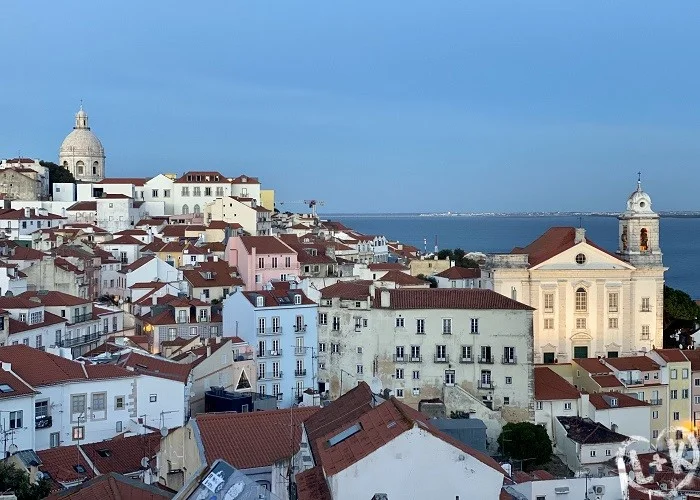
{"x": 79, "y": 469}
{"x": 6, "y": 388}
{"x": 342, "y": 436}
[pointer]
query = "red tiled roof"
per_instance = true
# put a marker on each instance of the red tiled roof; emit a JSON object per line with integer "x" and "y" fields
{"x": 179, "y": 230}
{"x": 551, "y": 386}
{"x": 236, "y": 437}
{"x": 24, "y": 253}
{"x": 592, "y": 365}
{"x": 311, "y": 485}
{"x": 459, "y": 273}
{"x": 403, "y": 279}
{"x": 276, "y": 298}
{"x": 671, "y": 355}
{"x": 124, "y": 240}
{"x": 347, "y": 290}
{"x": 137, "y": 263}
{"x": 623, "y": 400}
{"x": 122, "y": 454}
{"x": 643, "y": 363}
{"x": 136, "y": 181}
{"x": 200, "y": 177}
{"x": 19, "y": 387}
{"x": 607, "y": 380}
{"x": 221, "y": 274}
{"x": 87, "y": 206}
{"x": 265, "y": 245}
{"x": 59, "y": 463}
{"x": 112, "y": 486}
{"x": 448, "y": 298}
{"x": 387, "y": 266}
{"x": 245, "y": 179}
{"x": 156, "y": 367}
{"x": 54, "y": 298}
{"x": 693, "y": 355}
{"x": 49, "y": 319}
{"x": 18, "y": 214}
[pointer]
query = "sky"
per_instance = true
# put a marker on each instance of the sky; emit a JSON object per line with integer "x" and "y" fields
{"x": 371, "y": 106}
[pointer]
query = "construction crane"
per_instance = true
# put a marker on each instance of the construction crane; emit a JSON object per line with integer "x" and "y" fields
{"x": 310, "y": 203}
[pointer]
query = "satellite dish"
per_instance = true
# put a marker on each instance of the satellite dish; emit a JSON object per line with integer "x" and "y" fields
{"x": 164, "y": 431}
{"x": 144, "y": 462}
{"x": 234, "y": 491}
{"x": 376, "y": 385}
{"x": 13, "y": 448}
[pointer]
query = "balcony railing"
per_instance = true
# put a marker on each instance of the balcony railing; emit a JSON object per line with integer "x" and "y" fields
{"x": 79, "y": 318}
{"x": 271, "y": 376}
{"x": 445, "y": 358}
{"x": 464, "y": 359}
{"x": 81, "y": 339}
{"x": 487, "y": 360}
{"x": 275, "y": 330}
{"x": 509, "y": 360}
{"x": 270, "y": 353}
{"x": 416, "y": 359}
{"x": 485, "y": 384}
{"x": 645, "y": 336}
{"x": 655, "y": 402}
{"x": 400, "y": 359}
{"x": 632, "y": 381}
{"x": 300, "y": 373}
{"x": 43, "y": 422}
{"x": 299, "y": 351}
{"x": 299, "y": 328}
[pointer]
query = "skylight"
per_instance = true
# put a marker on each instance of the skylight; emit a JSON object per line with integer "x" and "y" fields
{"x": 79, "y": 469}
{"x": 6, "y": 388}
{"x": 342, "y": 436}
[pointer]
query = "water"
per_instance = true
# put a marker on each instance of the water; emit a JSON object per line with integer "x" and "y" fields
{"x": 680, "y": 237}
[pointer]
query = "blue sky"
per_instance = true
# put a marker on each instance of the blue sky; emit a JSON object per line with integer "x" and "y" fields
{"x": 372, "y": 106}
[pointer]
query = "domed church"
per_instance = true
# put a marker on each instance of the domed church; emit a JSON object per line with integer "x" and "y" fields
{"x": 82, "y": 152}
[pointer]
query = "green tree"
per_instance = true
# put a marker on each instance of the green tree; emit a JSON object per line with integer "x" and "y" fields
{"x": 679, "y": 305}
{"x": 444, "y": 254}
{"x": 57, "y": 174}
{"x": 525, "y": 441}
{"x": 17, "y": 481}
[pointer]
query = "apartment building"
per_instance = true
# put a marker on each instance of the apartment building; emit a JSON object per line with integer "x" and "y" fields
{"x": 194, "y": 189}
{"x": 19, "y": 224}
{"x": 262, "y": 259}
{"x": 414, "y": 342}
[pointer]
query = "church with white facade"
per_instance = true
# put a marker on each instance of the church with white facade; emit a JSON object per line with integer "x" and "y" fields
{"x": 82, "y": 153}
{"x": 589, "y": 301}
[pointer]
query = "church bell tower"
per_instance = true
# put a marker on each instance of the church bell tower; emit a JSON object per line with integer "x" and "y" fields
{"x": 638, "y": 241}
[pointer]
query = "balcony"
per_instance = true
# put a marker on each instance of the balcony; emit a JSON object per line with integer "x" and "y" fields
{"x": 632, "y": 381}
{"x": 79, "y": 318}
{"x": 270, "y": 353}
{"x": 486, "y": 385}
{"x": 299, "y": 328}
{"x": 275, "y": 330}
{"x": 300, "y": 351}
{"x": 510, "y": 360}
{"x": 445, "y": 358}
{"x": 486, "y": 360}
{"x": 466, "y": 360}
{"x": 655, "y": 402}
{"x": 416, "y": 359}
{"x": 645, "y": 336}
{"x": 270, "y": 376}
{"x": 400, "y": 359}
{"x": 81, "y": 339}
{"x": 300, "y": 373}
{"x": 43, "y": 422}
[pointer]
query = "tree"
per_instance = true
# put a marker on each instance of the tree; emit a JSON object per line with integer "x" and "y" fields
{"x": 525, "y": 441}
{"x": 17, "y": 481}
{"x": 444, "y": 254}
{"x": 56, "y": 174}
{"x": 679, "y": 305}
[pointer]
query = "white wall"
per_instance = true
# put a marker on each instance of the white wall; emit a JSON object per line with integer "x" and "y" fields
{"x": 417, "y": 464}
{"x": 23, "y": 437}
{"x": 532, "y": 490}
{"x": 169, "y": 407}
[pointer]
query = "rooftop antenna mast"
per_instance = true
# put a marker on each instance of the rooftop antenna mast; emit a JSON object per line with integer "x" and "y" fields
{"x": 436, "y": 244}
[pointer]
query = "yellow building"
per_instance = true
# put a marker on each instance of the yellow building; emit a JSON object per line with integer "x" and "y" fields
{"x": 267, "y": 199}
{"x": 675, "y": 370}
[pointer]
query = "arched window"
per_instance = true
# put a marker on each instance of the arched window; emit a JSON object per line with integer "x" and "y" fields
{"x": 513, "y": 293}
{"x": 195, "y": 210}
{"x": 95, "y": 165}
{"x": 643, "y": 240}
{"x": 581, "y": 300}
{"x": 65, "y": 164}
{"x": 80, "y": 168}
{"x": 185, "y": 209}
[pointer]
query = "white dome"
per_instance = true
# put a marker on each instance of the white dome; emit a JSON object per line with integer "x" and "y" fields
{"x": 82, "y": 142}
{"x": 639, "y": 202}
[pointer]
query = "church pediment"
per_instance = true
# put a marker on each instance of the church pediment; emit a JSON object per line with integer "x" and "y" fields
{"x": 583, "y": 256}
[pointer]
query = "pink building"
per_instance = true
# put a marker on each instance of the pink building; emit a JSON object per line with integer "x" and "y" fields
{"x": 261, "y": 259}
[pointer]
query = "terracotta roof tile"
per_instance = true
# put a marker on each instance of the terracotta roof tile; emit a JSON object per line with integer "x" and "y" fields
{"x": 449, "y": 298}
{"x": 201, "y": 177}
{"x": 671, "y": 355}
{"x": 156, "y": 367}
{"x": 459, "y": 273}
{"x": 60, "y": 464}
{"x": 347, "y": 290}
{"x": 265, "y": 245}
{"x": 593, "y": 365}
{"x": 607, "y": 381}
{"x": 122, "y": 454}
{"x": 18, "y": 386}
{"x": 83, "y": 206}
{"x": 136, "y": 181}
{"x": 49, "y": 319}
{"x": 387, "y": 266}
{"x": 276, "y": 298}
{"x": 112, "y": 486}
{"x": 585, "y": 431}
{"x": 245, "y": 179}
{"x": 550, "y": 386}
{"x": 236, "y": 437}
{"x": 693, "y": 355}
{"x": 54, "y": 298}
{"x": 124, "y": 240}
{"x": 212, "y": 274}
{"x": 311, "y": 485}
{"x": 404, "y": 279}
{"x": 623, "y": 400}
{"x": 643, "y": 363}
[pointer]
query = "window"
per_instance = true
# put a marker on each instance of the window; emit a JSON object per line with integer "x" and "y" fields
{"x": 581, "y": 300}
{"x": 474, "y": 325}
{"x": 415, "y": 353}
{"x": 196, "y": 191}
{"x": 509, "y": 355}
{"x": 466, "y": 353}
{"x": 55, "y": 439}
{"x": 274, "y": 262}
{"x": 674, "y": 374}
{"x": 593, "y": 453}
{"x": 646, "y": 306}
{"x": 655, "y": 434}
{"x": 696, "y": 400}
{"x": 185, "y": 208}
{"x": 613, "y": 302}
{"x": 548, "y": 302}
{"x": 567, "y": 406}
{"x": 655, "y": 414}
{"x": 449, "y": 377}
{"x": 287, "y": 262}
{"x": 509, "y": 380}
{"x": 154, "y": 193}
{"x": 399, "y": 373}
{"x": 99, "y": 401}
{"x": 645, "y": 332}
{"x": 674, "y": 394}
{"x": 440, "y": 353}
{"x": 78, "y": 433}
{"x": 166, "y": 193}
{"x": 335, "y": 348}
{"x": 207, "y": 191}
{"x": 399, "y": 353}
{"x": 506, "y": 401}
{"x": 321, "y": 347}
{"x": 35, "y": 317}
{"x": 549, "y": 323}
{"x": 38, "y": 341}
{"x": 607, "y": 453}
{"x": 420, "y": 326}
{"x": 119, "y": 403}
{"x": 360, "y": 369}
{"x": 416, "y": 374}
{"x": 399, "y": 322}
{"x": 612, "y": 323}
{"x": 581, "y": 323}
{"x": 16, "y": 419}
{"x": 486, "y": 354}
{"x": 676, "y": 415}
{"x": 336, "y": 323}
{"x": 153, "y": 398}
{"x": 119, "y": 427}
{"x": 684, "y": 373}
{"x": 322, "y": 318}
{"x": 78, "y": 405}
{"x": 41, "y": 409}
{"x": 539, "y": 405}
{"x": 685, "y": 394}
{"x": 447, "y": 326}
{"x": 399, "y": 393}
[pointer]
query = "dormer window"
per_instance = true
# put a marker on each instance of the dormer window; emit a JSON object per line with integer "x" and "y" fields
{"x": 297, "y": 299}
{"x": 259, "y": 301}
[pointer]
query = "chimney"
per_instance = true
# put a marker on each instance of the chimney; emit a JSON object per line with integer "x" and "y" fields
{"x": 580, "y": 235}
{"x": 154, "y": 300}
{"x": 584, "y": 405}
{"x": 7, "y": 366}
{"x": 208, "y": 350}
{"x": 216, "y": 258}
{"x": 385, "y": 298}
{"x": 27, "y": 212}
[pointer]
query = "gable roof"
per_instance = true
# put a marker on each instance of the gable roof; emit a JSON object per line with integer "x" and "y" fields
{"x": 124, "y": 239}
{"x": 122, "y": 454}
{"x": 347, "y": 290}
{"x": 623, "y": 400}
{"x": 265, "y": 245}
{"x": 642, "y": 363}
{"x": 59, "y": 463}
{"x": 607, "y": 381}
{"x": 592, "y": 365}
{"x": 404, "y": 279}
{"x": 278, "y": 297}
{"x": 458, "y": 273}
{"x": 387, "y": 266}
{"x": 53, "y": 298}
{"x": 448, "y": 298}
{"x": 236, "y": 437}
{"x": 671, "y": 355}
{"x": 137, "y": 263}
{"x": 155, "y": 366}
{"x": 551, "y": 386}
{"x": 586, "y": 431}
{"x": 83, "y": 206}
{"x": 113, "y": 486}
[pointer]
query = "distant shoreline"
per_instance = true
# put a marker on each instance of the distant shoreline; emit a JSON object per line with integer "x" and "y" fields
{"x": 532, "y": 215}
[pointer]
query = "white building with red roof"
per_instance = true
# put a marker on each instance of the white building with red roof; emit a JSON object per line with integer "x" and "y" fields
{"x": 19, "y": 224}
{"x": 590, "y": 301}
